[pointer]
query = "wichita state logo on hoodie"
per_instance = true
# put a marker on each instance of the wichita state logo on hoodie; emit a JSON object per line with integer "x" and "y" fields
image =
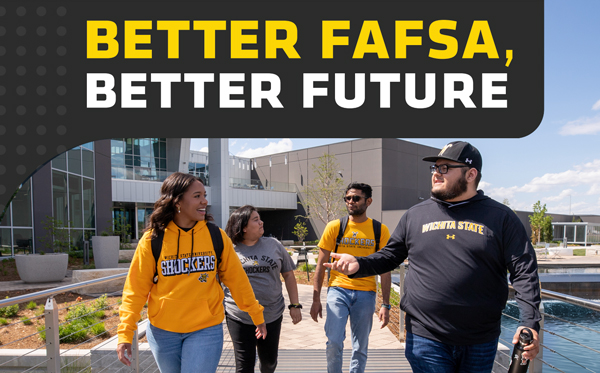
{"x": 174, "y": 266}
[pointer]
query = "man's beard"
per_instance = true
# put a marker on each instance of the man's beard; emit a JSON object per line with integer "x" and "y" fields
{"x": 357, "y": 211}
{"x": 456, "y": 190}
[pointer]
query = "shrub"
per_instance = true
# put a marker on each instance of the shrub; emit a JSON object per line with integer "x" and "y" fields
{"x": 9, "y": 311}
{"x": 73, "y": 332}
{"x": 98, "y": 329}
{"x": 100, "y": 303}
{"x": 3, "y": 321}
{"x": 31, "y": 305}
{"x": 26, "y": 320}
{"x": 303, "y": 267}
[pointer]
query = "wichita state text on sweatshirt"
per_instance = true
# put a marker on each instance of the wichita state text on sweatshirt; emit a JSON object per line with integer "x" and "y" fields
{"x": 188, "y": 295}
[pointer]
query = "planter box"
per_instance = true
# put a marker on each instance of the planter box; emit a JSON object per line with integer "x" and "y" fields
{"x": 35, "y": 268}
{"x": 82, "y": 275}
{"x": 106, "y": 251}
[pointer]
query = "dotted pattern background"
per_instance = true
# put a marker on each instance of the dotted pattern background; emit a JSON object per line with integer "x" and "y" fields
{"x": 34, "y": 92}
{"x": 43, "y": 68}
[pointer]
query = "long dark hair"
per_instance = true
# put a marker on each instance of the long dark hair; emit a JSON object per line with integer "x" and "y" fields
{"x": 170, "y": 193}
{"x": 237, "y": 222}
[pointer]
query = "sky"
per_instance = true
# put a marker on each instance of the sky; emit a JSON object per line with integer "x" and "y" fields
{"x": 559, "y": 163}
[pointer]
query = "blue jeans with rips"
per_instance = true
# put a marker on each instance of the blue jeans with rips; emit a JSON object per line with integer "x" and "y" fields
{"x": 198, "y": 351}
{"x": 359, "y": 306}
{"x": 425, "y": 355}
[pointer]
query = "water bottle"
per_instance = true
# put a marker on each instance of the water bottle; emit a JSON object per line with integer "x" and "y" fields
{"x": 518, "y": 364}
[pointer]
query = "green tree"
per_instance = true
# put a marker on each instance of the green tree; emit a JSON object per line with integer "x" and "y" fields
{"x": 323, "y": 194}
{"x": 300, "y": 231}
{"x": 541, "y": 224}
{"x": 57, "y": 235}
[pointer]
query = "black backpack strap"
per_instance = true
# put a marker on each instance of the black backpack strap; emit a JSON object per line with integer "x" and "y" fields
{"x": 377, "y": 232}
{"x": 157, "y": 243}
{"x": 217, "y": 240}
{"x": 343, "y": 224}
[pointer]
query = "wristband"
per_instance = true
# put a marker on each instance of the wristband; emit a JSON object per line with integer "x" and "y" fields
{"x": 294, "y": 305}
{"x": 389, "y": 307}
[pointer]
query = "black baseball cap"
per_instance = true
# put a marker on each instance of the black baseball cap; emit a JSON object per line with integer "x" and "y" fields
{"x": 461, "y": 152}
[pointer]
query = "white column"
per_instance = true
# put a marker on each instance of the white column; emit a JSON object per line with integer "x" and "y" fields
{"x": 218, "y": 170}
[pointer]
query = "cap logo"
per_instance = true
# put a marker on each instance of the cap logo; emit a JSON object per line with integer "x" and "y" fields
{"x": 445, "y": 148}
{"x": 469, "y": 161}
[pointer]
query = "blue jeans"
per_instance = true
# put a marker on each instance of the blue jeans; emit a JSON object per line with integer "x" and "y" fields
{"x": 425, "y": 355}
{"x": 186, "y": 352}
{"x": 360, "y": 306}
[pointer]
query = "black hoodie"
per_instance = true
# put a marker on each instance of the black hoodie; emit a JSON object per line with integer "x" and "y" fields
{"x": 459, "y": 254}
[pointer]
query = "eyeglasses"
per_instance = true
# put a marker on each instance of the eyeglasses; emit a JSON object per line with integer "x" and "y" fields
{"x": 444, "y": 168}
{"x": 353, "y": 198}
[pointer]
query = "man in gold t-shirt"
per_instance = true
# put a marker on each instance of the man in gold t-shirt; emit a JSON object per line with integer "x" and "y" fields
{"x": 354, "y": 298}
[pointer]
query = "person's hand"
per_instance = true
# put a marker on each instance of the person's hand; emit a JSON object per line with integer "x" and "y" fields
{"x": 345, "y": 264}
{"x": 261, "y": 331}
{"x": 384, "y": 317}
{"x": 316, "y": 310}
{"x": 296, "y": 315}
{"x": 123, "y": 348}
{"x": 533, "y": 348}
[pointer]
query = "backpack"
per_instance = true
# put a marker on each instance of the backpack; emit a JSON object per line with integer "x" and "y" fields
{"x": 344, "y": 224}
{"x": 215, "y": 235}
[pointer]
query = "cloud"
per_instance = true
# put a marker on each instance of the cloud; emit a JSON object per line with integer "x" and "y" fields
{"x": 499, "y": 194}
{"x": 484, "y": 185}
{"x": 585, "y": 174}
{"x": 204, "y": 149}
{"x": 563, "y": 194}
{"x": 596, "y": 105}
{"x": 284, "y": 145}
{"x": 594, "y": 189}
{"x": 584, "y": 126}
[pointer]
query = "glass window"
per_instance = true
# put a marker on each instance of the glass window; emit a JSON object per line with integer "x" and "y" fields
{"x": 60, "y": 162}
{"x": 145, "y": 148}
{"x": 74, "y": 161}
{"x": 570, "y": 233}
{"x": 117, "y": 160}
{"x": 5, "y": 220}
{"x": 136, "y": 146}
{"x": 163, "y": 149}
{"x": 146, "y": 162}
{"x": 23, "y": 240}
{"x": 128, "y": 146}
{"x": 5, "y": 240}
{"x": 59, "y": 196}
{"x": 89, "y": 145}
{"x": 88, "y": 163}
{"x": 580, "y": 233}
{"x": 88, "y": 204}
{"x": 559, "y": 231}
{"x": 21, "y": 206}
{"x": 75, "y": 202}
{"x": 77, "y": 238}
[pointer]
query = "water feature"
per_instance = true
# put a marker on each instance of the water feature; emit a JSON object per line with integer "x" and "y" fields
{"x": 575, "y": 314}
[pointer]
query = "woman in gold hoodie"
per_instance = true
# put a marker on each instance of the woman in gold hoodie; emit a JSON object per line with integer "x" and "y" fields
{"x": 185, "y": 304}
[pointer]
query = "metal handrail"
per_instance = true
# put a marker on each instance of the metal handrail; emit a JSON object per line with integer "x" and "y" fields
{"x": 52, "y": 292}
{"x": 573, "y": 300}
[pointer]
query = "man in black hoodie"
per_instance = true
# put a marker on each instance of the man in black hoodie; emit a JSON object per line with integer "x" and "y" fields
{"x": 459, "y": 244}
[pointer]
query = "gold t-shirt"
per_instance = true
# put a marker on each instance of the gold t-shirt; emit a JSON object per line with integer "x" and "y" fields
{"x": 358, "y": 240}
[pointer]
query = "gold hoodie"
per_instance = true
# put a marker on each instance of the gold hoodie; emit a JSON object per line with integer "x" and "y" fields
{"x": 188, "y": 295}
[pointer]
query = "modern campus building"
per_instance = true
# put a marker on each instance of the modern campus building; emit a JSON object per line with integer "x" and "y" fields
{"x": 90, "y": 185}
